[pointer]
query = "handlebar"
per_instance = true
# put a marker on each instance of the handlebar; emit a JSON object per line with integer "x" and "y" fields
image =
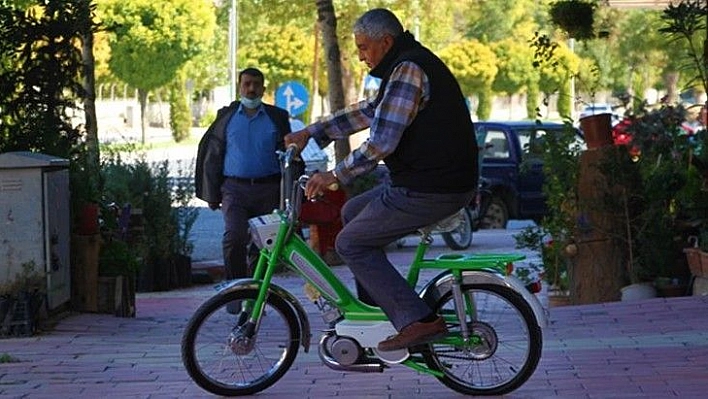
{"x": 290, "y": 153}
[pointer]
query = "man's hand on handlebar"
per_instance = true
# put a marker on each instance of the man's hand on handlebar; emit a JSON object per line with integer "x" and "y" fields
{"x": 298, "y": 138}
{"x": 319, "y": 182}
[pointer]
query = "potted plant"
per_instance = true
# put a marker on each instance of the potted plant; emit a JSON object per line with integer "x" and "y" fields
{"x": 184, "y": 216}
{"x": 697, "y": 254}
{"x": 554, "y": 233}
{"x": 575, "y": 17}
{"x": 119, "y": 263}
{"x": 85, "y": 188}
{"x": 21, "y": 300}
{"x": 654, "y": 193}
{"x": 554, "y": 263}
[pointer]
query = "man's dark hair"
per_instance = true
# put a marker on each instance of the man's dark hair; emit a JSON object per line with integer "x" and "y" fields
{"x": 251, "y": 72}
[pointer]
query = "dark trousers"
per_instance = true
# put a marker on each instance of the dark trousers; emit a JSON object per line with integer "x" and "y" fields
{"x": 240, "y": 202}
{"x": 377, "y": 218}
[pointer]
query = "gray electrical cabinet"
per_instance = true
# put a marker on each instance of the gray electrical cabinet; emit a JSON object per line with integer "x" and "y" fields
{"x": 35, "y": 220}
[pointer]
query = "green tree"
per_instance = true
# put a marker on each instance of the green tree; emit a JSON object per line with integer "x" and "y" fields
{"x": 282, "y": 53}
{"x": 516, "y": 73}
{"x": 475, "y": 66}
{"x": 642, "y": 50}
{"x": 496, "y": 20}
{"x": 180, "y": 115}
{"x": 555, "y": 75}
{"x": 151, "y": 41}
{"x": 40, "y": 77}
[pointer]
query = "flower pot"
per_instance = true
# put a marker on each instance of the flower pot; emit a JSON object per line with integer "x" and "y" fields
{"x": 556, "y": 300}
{"x": 697, "y": 261}
{"x": 88, "y": 219}
{"x": 671, "y": 290}
{"x": 6, "y": 306}
{"x": 634, "y": 292}
{"x": 597, "y": 130}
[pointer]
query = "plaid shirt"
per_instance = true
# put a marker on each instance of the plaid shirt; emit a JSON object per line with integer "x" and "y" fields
{"x": 406, "y": 93}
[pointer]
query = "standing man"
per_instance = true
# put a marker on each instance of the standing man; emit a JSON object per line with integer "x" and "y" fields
{"x": 237, "y": 167}
{"x": 421, "y": 128}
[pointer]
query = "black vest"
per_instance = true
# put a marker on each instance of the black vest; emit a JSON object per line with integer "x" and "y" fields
{"x": 438, "y": 151}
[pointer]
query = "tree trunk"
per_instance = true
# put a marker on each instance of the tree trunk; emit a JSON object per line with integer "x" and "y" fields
{"x": 598, "y": 270}
{"x": 89, "y": 86}
{"x": 328, "y": 25}
{"x": 315, "y": 75}
{"x": 142, "y": 99}
{"x": 671, "y": 82}
{"x": 90, "y": 100}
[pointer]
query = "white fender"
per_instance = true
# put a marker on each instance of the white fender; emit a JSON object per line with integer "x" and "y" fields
{"x": 247, "y": 283}
{"x": 442, "y": 283}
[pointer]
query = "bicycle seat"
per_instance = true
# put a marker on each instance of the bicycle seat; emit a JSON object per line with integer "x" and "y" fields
{"x": 446, "y": 225}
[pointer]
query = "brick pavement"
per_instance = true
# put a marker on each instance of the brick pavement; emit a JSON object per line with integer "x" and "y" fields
{"x": 655, "y": 348}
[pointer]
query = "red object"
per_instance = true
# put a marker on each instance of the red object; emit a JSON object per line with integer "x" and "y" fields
{"x": 597, "y": 130}
{"x": 323, "y": 210}
{"x": 324, "y": 218}
{"x": 88, "y": 219}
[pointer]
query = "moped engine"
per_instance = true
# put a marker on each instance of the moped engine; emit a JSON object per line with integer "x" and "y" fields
{"x": 345, "y": 350}
{"x": 345, "y": 354}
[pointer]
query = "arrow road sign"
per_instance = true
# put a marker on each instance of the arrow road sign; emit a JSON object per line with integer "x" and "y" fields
{"x": 292, "y": 96}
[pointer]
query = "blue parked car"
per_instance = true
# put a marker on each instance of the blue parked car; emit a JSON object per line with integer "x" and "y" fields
{"x": 517, "y": 191}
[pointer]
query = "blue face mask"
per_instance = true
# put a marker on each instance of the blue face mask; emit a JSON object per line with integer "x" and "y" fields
{"x": 251, "y": 103}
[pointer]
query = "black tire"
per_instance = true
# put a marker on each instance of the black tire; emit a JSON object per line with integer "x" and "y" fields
{"x": 497, "y": 215}
{"x": 208, "y": 349}
{"x": 511, "y": 347}
{"x": 461, "y": 238}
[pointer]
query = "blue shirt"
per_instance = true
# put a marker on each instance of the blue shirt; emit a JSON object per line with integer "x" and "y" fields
{"x": 251, "y": 143}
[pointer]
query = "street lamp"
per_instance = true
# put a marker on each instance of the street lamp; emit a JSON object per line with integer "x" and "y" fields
{"x": 233, "y": 48}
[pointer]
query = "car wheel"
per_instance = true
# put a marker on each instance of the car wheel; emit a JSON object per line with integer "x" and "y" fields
{"x": 497, "y": 215}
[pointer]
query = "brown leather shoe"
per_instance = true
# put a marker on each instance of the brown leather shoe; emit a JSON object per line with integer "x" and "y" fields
{"x": 415, "y": 334}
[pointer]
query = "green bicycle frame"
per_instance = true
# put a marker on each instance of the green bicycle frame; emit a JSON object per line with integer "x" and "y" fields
{"x": 292, "y": 250}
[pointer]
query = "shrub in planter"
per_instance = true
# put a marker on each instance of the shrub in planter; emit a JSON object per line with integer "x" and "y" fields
{"x": 21, "y": 302}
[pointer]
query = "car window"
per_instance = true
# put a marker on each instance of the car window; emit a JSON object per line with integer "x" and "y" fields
{"x": 496, "y": 145}
{"x": 532, "y": 140}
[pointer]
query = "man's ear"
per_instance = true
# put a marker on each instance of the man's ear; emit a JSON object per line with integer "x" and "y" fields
{"x": 388, "y": 41}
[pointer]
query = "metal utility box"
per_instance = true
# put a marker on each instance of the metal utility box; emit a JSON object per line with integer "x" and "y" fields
{"x": 35, "y": 220}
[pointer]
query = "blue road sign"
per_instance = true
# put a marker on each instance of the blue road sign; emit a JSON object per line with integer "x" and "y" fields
{"x": 371, "y": 83}
{"x": 292, "y": 96}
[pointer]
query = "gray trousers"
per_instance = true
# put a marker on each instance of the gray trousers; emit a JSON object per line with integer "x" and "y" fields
{"x": 240, "y": 202}
{"x": 377, "y": 218}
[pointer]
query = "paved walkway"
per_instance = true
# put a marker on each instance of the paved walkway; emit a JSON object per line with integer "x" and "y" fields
{"x": 654, "y": 348}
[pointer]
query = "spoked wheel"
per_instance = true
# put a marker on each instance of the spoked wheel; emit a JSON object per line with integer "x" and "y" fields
{"x": 228, "y": 356}
{"x": 503, "y": 351}
{"x": 497, "y": 215}
{"x": 461, "y": 237}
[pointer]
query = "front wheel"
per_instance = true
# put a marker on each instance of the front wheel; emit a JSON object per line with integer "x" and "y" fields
{"x": 228, "y": 356}
{"x": 461, "y": 237}
{"x": 503, "y": 350}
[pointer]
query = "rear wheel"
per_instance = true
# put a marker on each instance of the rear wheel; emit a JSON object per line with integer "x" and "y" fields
{"x": 228, "y": 356}
{"x": 497, "y": 215}
{"x": 504, "y": 348}
{"x": 461, "y": 237}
